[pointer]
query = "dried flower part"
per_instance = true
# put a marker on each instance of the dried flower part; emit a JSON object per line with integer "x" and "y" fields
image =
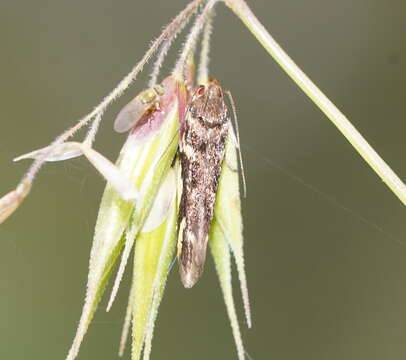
{"x": 12, "y": 200}
{"x": 115, "y": 177}
{"x": 64, "y": 151}
{"x": 145, "y": 164}
{"x": 118, "y": 180}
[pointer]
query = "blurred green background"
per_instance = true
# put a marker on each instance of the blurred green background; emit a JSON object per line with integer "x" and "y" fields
{"x": 325, "y": 238}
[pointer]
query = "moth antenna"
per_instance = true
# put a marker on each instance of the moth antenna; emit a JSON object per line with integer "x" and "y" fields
{"x": 171, "y": 265}
{"x": 237, "y": 134}
{"x": 248, "y": 355}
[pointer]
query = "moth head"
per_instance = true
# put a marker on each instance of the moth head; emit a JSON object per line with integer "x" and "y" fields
{"x": 208, "y": 103}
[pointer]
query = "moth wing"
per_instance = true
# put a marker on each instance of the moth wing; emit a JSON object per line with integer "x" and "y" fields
{"x": 129, "y": 115}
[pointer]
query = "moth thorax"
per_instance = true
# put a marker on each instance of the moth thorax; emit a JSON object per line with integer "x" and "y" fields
{"x": 209, "y": 106}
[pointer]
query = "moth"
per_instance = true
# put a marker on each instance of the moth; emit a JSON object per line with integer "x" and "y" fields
{"x": 203, "y": 134}
{"x": 145, "y": 102}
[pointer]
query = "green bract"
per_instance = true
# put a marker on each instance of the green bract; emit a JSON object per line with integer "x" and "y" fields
{"x": 226, "y": 237}
{"x": 145, "y": 161}
{"x": 154, "y": 250}
{"x": 151, "y": 224}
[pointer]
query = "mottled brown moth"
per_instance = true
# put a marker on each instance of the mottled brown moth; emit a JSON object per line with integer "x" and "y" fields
{"x": 203, "y": 134}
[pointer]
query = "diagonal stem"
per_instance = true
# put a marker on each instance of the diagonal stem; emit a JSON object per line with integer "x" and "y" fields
{"x": 242, "y": 10}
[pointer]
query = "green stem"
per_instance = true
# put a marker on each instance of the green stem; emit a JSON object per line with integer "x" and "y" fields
{"x": 242, "y": 10}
